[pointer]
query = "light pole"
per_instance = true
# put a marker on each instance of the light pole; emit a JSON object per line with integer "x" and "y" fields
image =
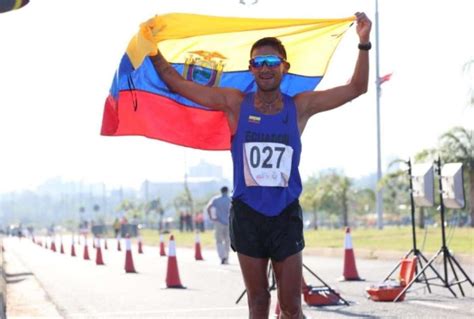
{"x": 379, "y": 193}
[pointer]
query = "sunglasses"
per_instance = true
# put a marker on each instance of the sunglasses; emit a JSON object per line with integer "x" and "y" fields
{"x": 270, "y": 61}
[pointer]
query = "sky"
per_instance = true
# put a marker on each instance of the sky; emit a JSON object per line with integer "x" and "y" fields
{"x": 58, "y": 58}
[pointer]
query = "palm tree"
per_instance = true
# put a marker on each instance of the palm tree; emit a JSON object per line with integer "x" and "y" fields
{"x": 335, "y": 189}
{"x": 311, "y": 198}
{"x": 396, "y": 186}
{"x": 457, "y": 145}
{"x": 329, "y": 192}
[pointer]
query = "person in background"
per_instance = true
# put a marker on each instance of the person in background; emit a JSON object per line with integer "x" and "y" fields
{"x": 218, "y": 210}
{"x": 199, "y": 221}
{"x": 116, "y": 226}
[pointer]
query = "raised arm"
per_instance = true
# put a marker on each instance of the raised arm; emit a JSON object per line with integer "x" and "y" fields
{"x": 212, "y": 97}
{"x": 310, "y": 103}
{"x": 227, "y": 100}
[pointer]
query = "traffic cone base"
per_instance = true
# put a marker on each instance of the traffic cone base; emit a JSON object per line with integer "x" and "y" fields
{"x": 197, "y": 248}
{"x": 172, "y": 274}
{"x": 98, "y": 257}
{"x": 162, "y": 246}
{"x": 129, "y": 266}
{"x": 86, "y": 252}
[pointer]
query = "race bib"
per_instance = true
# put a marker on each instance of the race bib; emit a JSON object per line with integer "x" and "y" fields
{"x": 267, "y": 164}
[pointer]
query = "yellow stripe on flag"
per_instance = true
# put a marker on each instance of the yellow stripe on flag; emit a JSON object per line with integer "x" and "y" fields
{"x": 309, "y": 43}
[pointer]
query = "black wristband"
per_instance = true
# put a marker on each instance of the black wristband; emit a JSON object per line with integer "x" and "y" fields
{"x": 365, "y": 46}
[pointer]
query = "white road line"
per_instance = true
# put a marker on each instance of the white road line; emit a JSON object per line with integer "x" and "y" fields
{"x": 432, "y": 304}
{"x": 150, "y": 312}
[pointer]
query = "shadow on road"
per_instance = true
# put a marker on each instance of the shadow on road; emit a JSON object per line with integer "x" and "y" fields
{"x": 17, "y": 277}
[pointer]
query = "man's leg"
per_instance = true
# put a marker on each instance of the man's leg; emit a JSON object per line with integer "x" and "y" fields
{"x": 288, "y": 274}
{"x": 226, "y": 242}
{"x": 254, "y": 271}
{"x": 219, "y": 234}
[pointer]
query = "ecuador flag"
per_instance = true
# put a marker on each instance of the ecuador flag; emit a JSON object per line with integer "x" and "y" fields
{"x": 212, "y": 51}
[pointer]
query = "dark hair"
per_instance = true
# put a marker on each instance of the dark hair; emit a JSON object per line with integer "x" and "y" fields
{"x": 224, "y": 190}
{"x": 271, "y": 42}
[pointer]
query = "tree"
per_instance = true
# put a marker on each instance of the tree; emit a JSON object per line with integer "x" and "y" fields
{"x": 362, "y": 203}
{"x": 311, "y": 198}
{"x": 396, "y": 186}
{"x": 457, "y": 145}
{"x": 335, "y": 189}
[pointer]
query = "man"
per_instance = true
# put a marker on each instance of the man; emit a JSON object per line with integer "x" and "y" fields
{"x": 218, "y": 210}
{"x": 116, "y": 226}
{"x": 266, "y": 125}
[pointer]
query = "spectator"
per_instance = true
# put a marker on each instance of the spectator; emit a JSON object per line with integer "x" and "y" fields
{"x": 218, "y": 210}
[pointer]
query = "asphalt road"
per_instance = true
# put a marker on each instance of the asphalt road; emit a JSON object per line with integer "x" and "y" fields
{"x": 47, "y": 284}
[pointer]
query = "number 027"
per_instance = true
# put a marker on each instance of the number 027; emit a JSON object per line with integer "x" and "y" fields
{"x": 267, "y": 154}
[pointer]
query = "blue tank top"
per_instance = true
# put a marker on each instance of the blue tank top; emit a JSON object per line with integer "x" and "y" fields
{"x": 266, "y": 153}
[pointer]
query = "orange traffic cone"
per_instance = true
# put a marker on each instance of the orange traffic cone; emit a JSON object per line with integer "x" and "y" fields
{"x": 197, "y": 248}
{"x": 73, "y": 250}
{"x": 61, "y": 248}
{"x": 162, "y": 246}
{"x": 53, "y": 244}
{"x": 119, "y": 248}
{"x": 172, "y": 272}
{"x": 86, "y": 250}
{"x": 350, "y": 269}
{"x": 129, "y": 267}
{"x": 98, "y": 253}
{"x": 140, "y": 245}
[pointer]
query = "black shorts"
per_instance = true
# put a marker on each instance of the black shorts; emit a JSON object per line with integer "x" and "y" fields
{"x": 259, "y": 236}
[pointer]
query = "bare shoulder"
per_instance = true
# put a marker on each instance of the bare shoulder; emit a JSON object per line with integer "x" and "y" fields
{"x": 234, "y": 98}
{"x": 304, "y": 103}
{"x": 306, "y": 106}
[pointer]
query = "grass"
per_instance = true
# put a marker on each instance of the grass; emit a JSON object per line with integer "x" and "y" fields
{"x": 459, "y": 240}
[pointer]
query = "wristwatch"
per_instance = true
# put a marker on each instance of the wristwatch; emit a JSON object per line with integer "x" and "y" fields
{"x": 365, "y": 46}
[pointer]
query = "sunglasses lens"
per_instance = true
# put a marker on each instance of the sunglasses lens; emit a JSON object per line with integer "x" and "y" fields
{"x": 270, "y": 60}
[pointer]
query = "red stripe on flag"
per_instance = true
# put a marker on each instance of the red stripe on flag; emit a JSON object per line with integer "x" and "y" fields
{"x": 161, "y": 118}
